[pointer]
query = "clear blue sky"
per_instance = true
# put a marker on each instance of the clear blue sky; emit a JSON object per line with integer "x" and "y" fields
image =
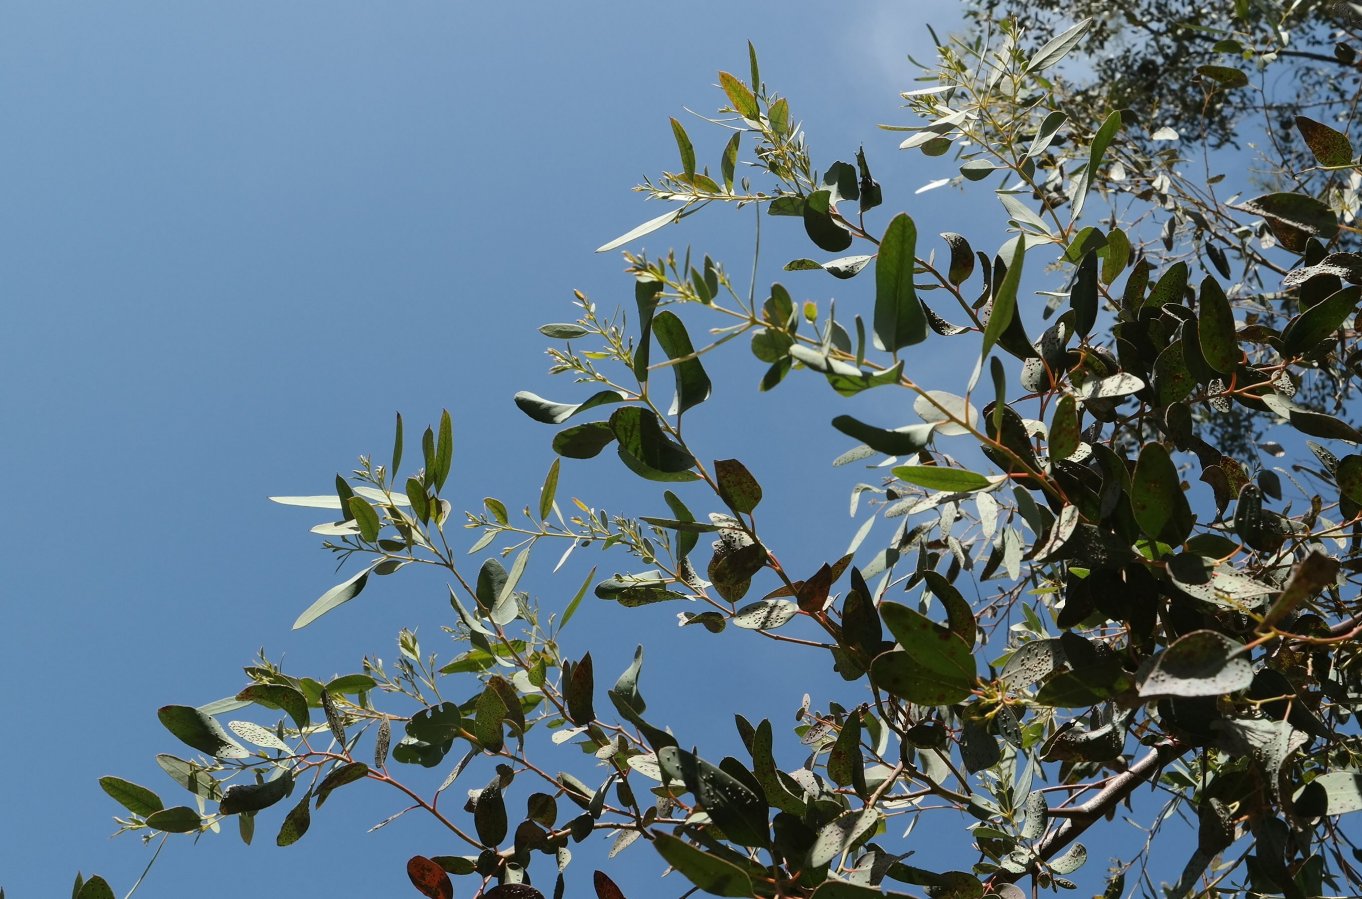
{"x": 237, "y": 237}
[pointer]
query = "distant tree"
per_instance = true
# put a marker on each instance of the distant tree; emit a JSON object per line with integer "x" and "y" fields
{"x": 1152, "y": 606}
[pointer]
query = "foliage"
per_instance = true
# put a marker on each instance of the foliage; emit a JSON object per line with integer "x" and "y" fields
{"x": 1151, "y": 608}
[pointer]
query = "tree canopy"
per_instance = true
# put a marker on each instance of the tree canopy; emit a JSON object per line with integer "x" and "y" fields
{"x": 1121, "y": 575}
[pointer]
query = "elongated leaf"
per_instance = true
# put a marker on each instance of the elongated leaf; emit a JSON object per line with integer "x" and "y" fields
{"x": 741, "y": 96}
{"x": 339, "y": 777}
{"x": 1005, "y": 299}
{"x": 180, "y": 819}
{"x": 1057, "y": 47}
{"x": 1083, "y": 295}
{"x": 1318, "y": 323}
{"x": 937, "y": 477}
{"x": 444, "y": 453}
{"x": 336, "y": 596}
{"x": 1100, "y": 142}
{"x": 1156, "y": 497}
{"x": 897, "y": 442}
{"x": 647, "y": 227}
{"x": 548, "y": 491}
{"x": 255, "y": 797}
{"x": 195, "y": 729}
{"x": 134, "y": 797}
{"x": 714, "y": 875}
{"x": 692, "y": 384}
{"x": 934, "y": 667}
{"x": 683, "y": 145}
{"x": 552, "y": 413}
{"x": 1215, "y": 328}
{"x": 899, "y": 321}
{"x": 1294, "y": 218}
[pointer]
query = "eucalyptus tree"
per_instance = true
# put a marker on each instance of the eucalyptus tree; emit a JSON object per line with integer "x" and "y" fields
{"x": 1086, "y": 592}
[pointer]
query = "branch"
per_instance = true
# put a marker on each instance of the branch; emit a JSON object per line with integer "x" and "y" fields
{"x": 1081, "y": 817}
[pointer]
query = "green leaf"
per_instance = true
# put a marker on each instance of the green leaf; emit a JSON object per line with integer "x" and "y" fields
{"x": 576, "y": 600}
{"x": 899, "y": 320}
{"x": 563, "y": 331}
{"x": 1318, "y": 424}
{"x": 1349, "y": 476}
{"x": 938, "y": 477}
{"x": 728, "y": 164}
{"x": 959, "y": 615}
{"x": 578, "y": 689}
{"x": 94, "y": 888}
{"x": 1223, "y": 76}
{"x": 647, "y": 451}
{"x": 133, "y": 797}
{"x": 279, "y": 696}
{"x": 583, "y": 441}
{"x": 1173, "y": 380}
{"x": 1331, "y": 148}
{"x": 364, "y": 516}
{"x": 841, "y": 833}
{"x": 692, "y": 384}
{"x": 489, "y": 815}
{"x": 820, "y": 226}
{"x": 444, "y": 453}
{"x": 871, "y": 195}
{"x": 1116, "y": 256}
{"x": 1215, "y": 328}
{"x": 1083, "y": 295}
{"x": 962, "y": 258}
{"x": 1071, "y": 860}
{"x": 710, "y": 873}
{"x": 631, "y": 590}
{"x": 336, "y": 596}
{"x": 647, "y": 227}
{"x": 1064, "y": 429}
{"x": 552, "y": 413}
{"x": 1294, "y": 218}
{"x": 254, "y": 797}
{"x": 1320, "y": 322}
{"x": 1005, "y": 298}
{"x": 1057, "y": 48}
{"x": 296, "y": 822}
{"x": 1156, "y": 497}
{"x": 1201, "y": 663}
{"x": 736, "y": 485}
{"x": 934, "y": 666}
{"x": 548, "y": 491}
{"x": 190, "y": 776}
{"x": 683, "y": 144}
{"x": 1344, "y": 791}
{"x": 397, "y": 447}
{"x": 180, "y": 819}
{"x": 201, "y": 732}
{"x": 339, "y": 777}
{"x": 436, "y": 724}
{"x": 741, "y": 96}
{"x": 739, "y": 812}
{"x": 1105, "y": 135}
{"x": 898, "y": 442}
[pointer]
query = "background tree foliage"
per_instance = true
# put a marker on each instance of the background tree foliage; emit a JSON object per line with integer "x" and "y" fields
{"x": 1101, "y": 578}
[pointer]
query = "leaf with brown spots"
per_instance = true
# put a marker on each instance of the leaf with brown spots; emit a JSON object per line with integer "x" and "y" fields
{"x": 428, "y": 877}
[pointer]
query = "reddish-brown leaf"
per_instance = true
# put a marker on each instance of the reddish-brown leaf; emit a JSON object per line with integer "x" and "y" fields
{"x": 428, "y": 877}
{"x": 605, "y": 887}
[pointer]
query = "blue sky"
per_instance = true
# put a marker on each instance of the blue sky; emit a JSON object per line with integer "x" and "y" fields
{"x": 238, "y": 237}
